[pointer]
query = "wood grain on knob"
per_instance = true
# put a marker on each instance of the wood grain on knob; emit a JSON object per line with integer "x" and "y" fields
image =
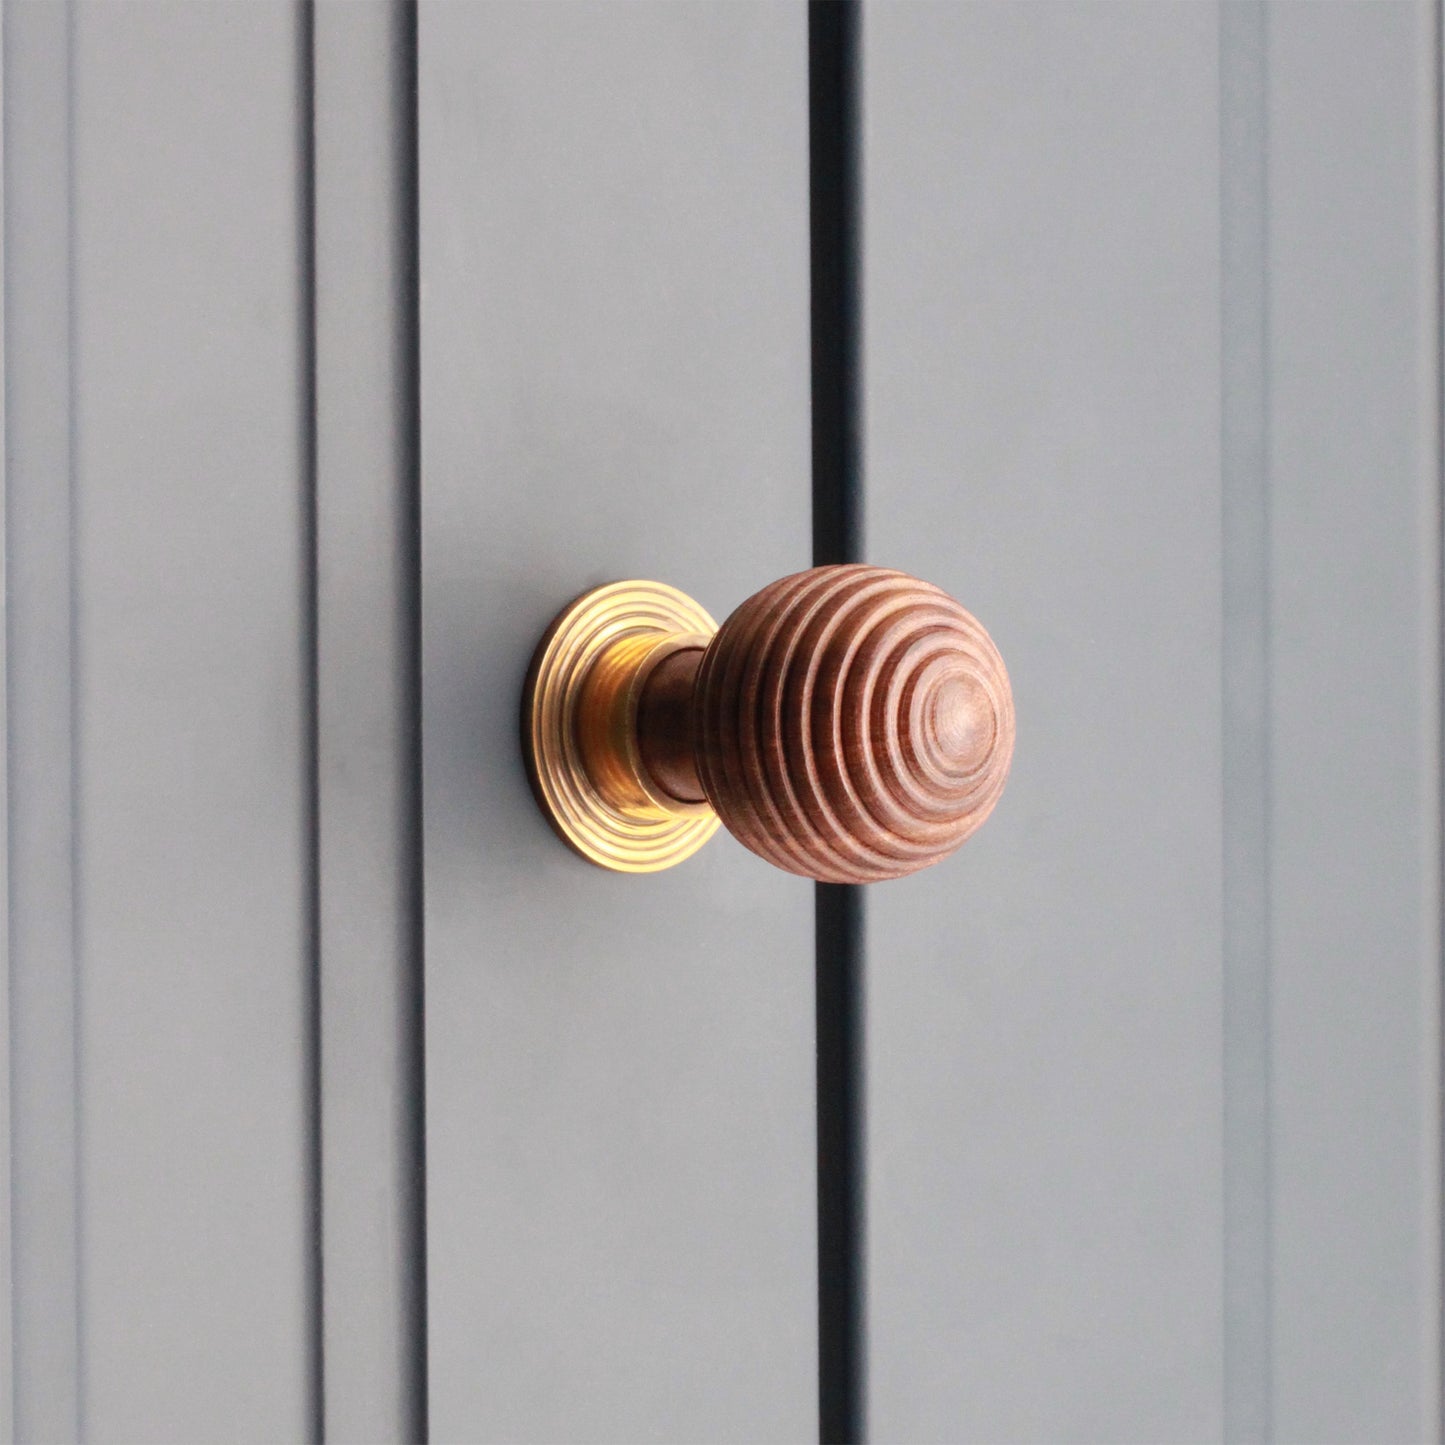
{"x": 851, "y": 724}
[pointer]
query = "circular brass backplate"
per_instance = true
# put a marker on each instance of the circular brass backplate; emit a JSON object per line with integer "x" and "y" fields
{"x": 643, "y": 831}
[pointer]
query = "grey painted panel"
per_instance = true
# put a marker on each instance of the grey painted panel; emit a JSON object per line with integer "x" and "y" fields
{"x": 1354, "y": 653}
{"x": 192, "y": 792}
{"x": 366, "y": 546}
{"x": 1042, "y": 257}
{"x": 45, "y": 1405}
{"x": 620, "y": 1125}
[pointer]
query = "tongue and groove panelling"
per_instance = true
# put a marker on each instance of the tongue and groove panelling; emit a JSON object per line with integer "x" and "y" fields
{"x": 615, "y": 383}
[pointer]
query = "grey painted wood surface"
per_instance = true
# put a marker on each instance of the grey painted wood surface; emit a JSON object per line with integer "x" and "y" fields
{"x": 192, "y": 797}
{"x": 1153, "y": 1068}
{"x": 1152, "y": 384}
{"x": 620, "y": 1128}
{"x": 1042, "y": 438}
{"x": 1354, "y": 651}
{"x": 367, "y": 742}
{"x": 157, "y": 474}
{"x": 43, "y": 1223}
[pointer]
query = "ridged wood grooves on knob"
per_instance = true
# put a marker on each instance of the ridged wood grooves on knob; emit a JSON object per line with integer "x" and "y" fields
{"x": 852, "y": 724}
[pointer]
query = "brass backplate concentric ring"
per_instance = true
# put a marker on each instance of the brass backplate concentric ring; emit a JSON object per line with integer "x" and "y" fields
{"x": 636, "y": 829}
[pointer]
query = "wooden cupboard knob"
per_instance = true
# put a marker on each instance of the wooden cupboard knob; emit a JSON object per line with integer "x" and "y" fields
{"x": 848, "y": 724}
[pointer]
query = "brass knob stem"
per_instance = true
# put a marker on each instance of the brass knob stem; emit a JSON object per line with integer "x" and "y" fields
{"x": 665, "y": 730}
{"x": 609, "y": 726}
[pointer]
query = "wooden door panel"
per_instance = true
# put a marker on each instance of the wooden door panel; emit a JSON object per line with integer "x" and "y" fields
{"x": 1352, "y": 496}
{"x": 193, "y": 915}
{"x": 1150, "y": 349}
{"x": 1042, "y": 423}
{"x": 614, "y": 258}
{"x": 159, "y": 917}
{"x": 1152, "y": 384}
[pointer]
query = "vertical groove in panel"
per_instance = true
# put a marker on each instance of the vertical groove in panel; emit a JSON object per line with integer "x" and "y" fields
{"x": 414, "y": 1016}
{"x": 1433, "y": 539}
{"x": 368, "y": 754}
{"x": 833, "y": 146}
{"x": 1245, "y": 715}
{"x": 842, "y": 1399}
{"x": 311, "y": 859}
{"x": 75, "y": 1307}
{"x": 7, "y": 1374}
{"x": 40, "y": 685}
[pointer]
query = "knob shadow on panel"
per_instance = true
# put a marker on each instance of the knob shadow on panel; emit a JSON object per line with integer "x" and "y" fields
{"x": 847, "y": 723}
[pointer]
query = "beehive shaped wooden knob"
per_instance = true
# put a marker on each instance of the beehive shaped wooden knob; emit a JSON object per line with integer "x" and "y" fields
{"x": 848, "y": 724}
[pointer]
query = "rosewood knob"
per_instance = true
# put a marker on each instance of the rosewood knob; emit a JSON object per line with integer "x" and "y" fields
{"x": 848, "y": 724}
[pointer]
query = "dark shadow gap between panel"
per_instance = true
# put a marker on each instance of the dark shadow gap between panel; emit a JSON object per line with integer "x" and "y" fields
{"x": 833, "y": 153}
